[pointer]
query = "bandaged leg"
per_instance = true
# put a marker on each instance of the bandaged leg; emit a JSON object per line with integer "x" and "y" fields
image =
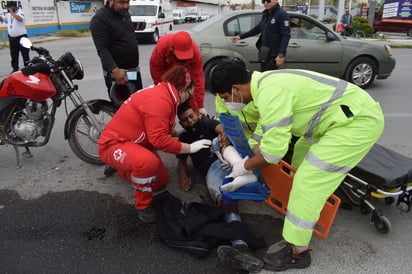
{"x": 231, "y": 155}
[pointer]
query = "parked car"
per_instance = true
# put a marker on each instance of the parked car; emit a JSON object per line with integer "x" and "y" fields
{"x": 191, "y": 17}
{"x": 204, "y": 17}
{"x": 313, "y": 46}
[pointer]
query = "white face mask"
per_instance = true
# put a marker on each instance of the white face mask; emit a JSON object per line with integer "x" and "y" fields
{"x": 235, "y": 106}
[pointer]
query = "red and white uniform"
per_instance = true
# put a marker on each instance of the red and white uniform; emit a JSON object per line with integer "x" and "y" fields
{"x": 129, "y": 143}
{"x": 163, "y": 59}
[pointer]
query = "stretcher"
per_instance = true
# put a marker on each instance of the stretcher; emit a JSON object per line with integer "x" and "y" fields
{"x": 382, "y": 174}
{"x": 274, "y": 181}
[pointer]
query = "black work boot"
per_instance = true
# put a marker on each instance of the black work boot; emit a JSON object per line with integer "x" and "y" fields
{"x": 239, "y": 257}
{"x": 147, "y": 215}
{"x": 283, "y": 255}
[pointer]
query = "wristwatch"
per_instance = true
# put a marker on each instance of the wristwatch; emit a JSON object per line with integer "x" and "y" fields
{"x": 281, "y": 55}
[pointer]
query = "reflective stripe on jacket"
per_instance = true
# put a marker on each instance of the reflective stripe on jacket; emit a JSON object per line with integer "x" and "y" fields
{"x": 302, "y": 103}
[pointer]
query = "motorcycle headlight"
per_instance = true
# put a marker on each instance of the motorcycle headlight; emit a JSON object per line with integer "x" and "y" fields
{"x": 67, "y": 59}
{"x": 73, "y": 67}
{"x": 75, "y": 71}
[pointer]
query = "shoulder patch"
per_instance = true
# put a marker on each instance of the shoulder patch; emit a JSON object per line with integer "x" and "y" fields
{"x": 286, "y": 23}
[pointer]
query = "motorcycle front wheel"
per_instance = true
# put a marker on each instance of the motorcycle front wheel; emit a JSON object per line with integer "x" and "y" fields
{"x": 84, "y": 134}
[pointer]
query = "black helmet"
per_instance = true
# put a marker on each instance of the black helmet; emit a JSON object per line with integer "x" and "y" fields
{"x": 119, "y": 93}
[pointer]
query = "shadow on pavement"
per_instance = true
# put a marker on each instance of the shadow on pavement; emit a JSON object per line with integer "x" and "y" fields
{"x": 89, "y": 232}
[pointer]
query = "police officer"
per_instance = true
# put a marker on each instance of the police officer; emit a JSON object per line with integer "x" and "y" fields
{"x": 337, "y": 123}
{"x": 274, "y": 29}
{"x": 16, "y": 30}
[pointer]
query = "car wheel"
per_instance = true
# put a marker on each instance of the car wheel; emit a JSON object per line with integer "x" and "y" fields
{"x": 208, "y": 72}
{"x": 361, "y": 72}
{"x": 409, "y": 32}
{"x": 155, "y": 37}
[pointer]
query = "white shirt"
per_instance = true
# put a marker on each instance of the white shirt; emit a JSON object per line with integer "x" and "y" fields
{"x": 15, "y": 28}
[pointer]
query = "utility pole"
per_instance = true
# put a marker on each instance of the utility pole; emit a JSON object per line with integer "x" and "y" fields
{"x": 341, "y": 11}
{"x": 321, "y": 11}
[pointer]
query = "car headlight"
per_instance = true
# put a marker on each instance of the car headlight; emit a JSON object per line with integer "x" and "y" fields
{"x": 388, "y": 50}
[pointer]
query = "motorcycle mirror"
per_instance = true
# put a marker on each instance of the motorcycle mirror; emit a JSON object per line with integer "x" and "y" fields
{"x": 25, "y": 42}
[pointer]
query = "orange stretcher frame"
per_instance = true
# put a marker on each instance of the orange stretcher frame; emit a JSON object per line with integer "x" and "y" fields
{"x": 279, "y": 181}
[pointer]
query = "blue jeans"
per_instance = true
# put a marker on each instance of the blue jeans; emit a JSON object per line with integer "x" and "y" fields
{"x": 214, "y": 179}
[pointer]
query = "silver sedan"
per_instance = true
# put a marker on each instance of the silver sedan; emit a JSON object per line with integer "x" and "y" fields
{"x": 313, "y": 46}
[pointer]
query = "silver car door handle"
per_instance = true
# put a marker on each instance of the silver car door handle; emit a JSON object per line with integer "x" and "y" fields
{"x": 241, "y": 44}
{"x": 294, "y": 45}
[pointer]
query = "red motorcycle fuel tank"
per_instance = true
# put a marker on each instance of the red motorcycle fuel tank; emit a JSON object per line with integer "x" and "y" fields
{"x": 37, "y": 87}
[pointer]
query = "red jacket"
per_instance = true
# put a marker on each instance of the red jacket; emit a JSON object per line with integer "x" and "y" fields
{"x": 147, "y": 118}
{"x": 163, "y": 59}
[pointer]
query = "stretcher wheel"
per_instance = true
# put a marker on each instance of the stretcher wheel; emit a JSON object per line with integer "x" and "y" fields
{"x": 382, "y": 224}
{"x": 365, "y": 209}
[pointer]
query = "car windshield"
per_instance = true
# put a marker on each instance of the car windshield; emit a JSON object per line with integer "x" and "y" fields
{"x": 143, "y": 10}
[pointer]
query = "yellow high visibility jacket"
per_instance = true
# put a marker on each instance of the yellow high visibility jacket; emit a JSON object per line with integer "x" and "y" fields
{"x": 302, "y": 103}
{"x": 248, "y": 116}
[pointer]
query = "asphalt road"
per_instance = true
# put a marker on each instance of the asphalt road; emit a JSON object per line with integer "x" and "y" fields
{"x": 58, "y": 215}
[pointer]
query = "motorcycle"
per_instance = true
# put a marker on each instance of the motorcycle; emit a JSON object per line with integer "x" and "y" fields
{"x": 26, "y": 119}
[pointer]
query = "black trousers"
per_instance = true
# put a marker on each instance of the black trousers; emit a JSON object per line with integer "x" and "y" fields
{"x": 15, "y": 49}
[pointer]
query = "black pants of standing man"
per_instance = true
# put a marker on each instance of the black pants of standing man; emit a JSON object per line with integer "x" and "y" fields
{"x": 15, "y": 49}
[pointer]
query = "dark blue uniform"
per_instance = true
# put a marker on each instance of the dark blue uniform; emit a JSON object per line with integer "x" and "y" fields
{"x": 274, "y": 39}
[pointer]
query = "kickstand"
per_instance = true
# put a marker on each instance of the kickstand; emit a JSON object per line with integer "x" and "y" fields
{"x": 16, "y": 149}
{"x": 26, "y": 153}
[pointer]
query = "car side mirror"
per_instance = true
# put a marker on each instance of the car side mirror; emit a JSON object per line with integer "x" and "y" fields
{"x": 330, "y": 36}
{"x": 162, "y": 15}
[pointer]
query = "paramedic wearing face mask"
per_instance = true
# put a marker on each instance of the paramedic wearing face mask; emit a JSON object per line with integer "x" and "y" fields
{"x": 337, "y": 123}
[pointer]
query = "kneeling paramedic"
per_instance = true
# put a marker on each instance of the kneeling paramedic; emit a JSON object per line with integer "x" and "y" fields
{"x": 144, "y": 124}
{"x": 337, "y": 123}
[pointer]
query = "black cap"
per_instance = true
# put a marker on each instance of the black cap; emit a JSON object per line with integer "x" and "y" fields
{"x": 11, "y": 4}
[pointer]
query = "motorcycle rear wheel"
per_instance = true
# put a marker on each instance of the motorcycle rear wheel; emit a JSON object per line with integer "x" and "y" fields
{"x": 84, "y": 135}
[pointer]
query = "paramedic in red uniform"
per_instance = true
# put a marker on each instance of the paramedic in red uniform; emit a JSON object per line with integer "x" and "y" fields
{"x": 179, "y": 49}
{"x": 142, "y": 125}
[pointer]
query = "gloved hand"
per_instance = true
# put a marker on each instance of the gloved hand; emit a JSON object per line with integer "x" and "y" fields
{"x": 238, "y": 182}
{"x": 198, "y": 145}
{"x": 203, "y": 114}
{"x": 238, "y": 168}
{"x": 202, "y": 111}
{"x": 225, "y": 165}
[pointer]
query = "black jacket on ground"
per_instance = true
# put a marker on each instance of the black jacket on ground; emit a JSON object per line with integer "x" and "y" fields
{"x": 198, "y": 224}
